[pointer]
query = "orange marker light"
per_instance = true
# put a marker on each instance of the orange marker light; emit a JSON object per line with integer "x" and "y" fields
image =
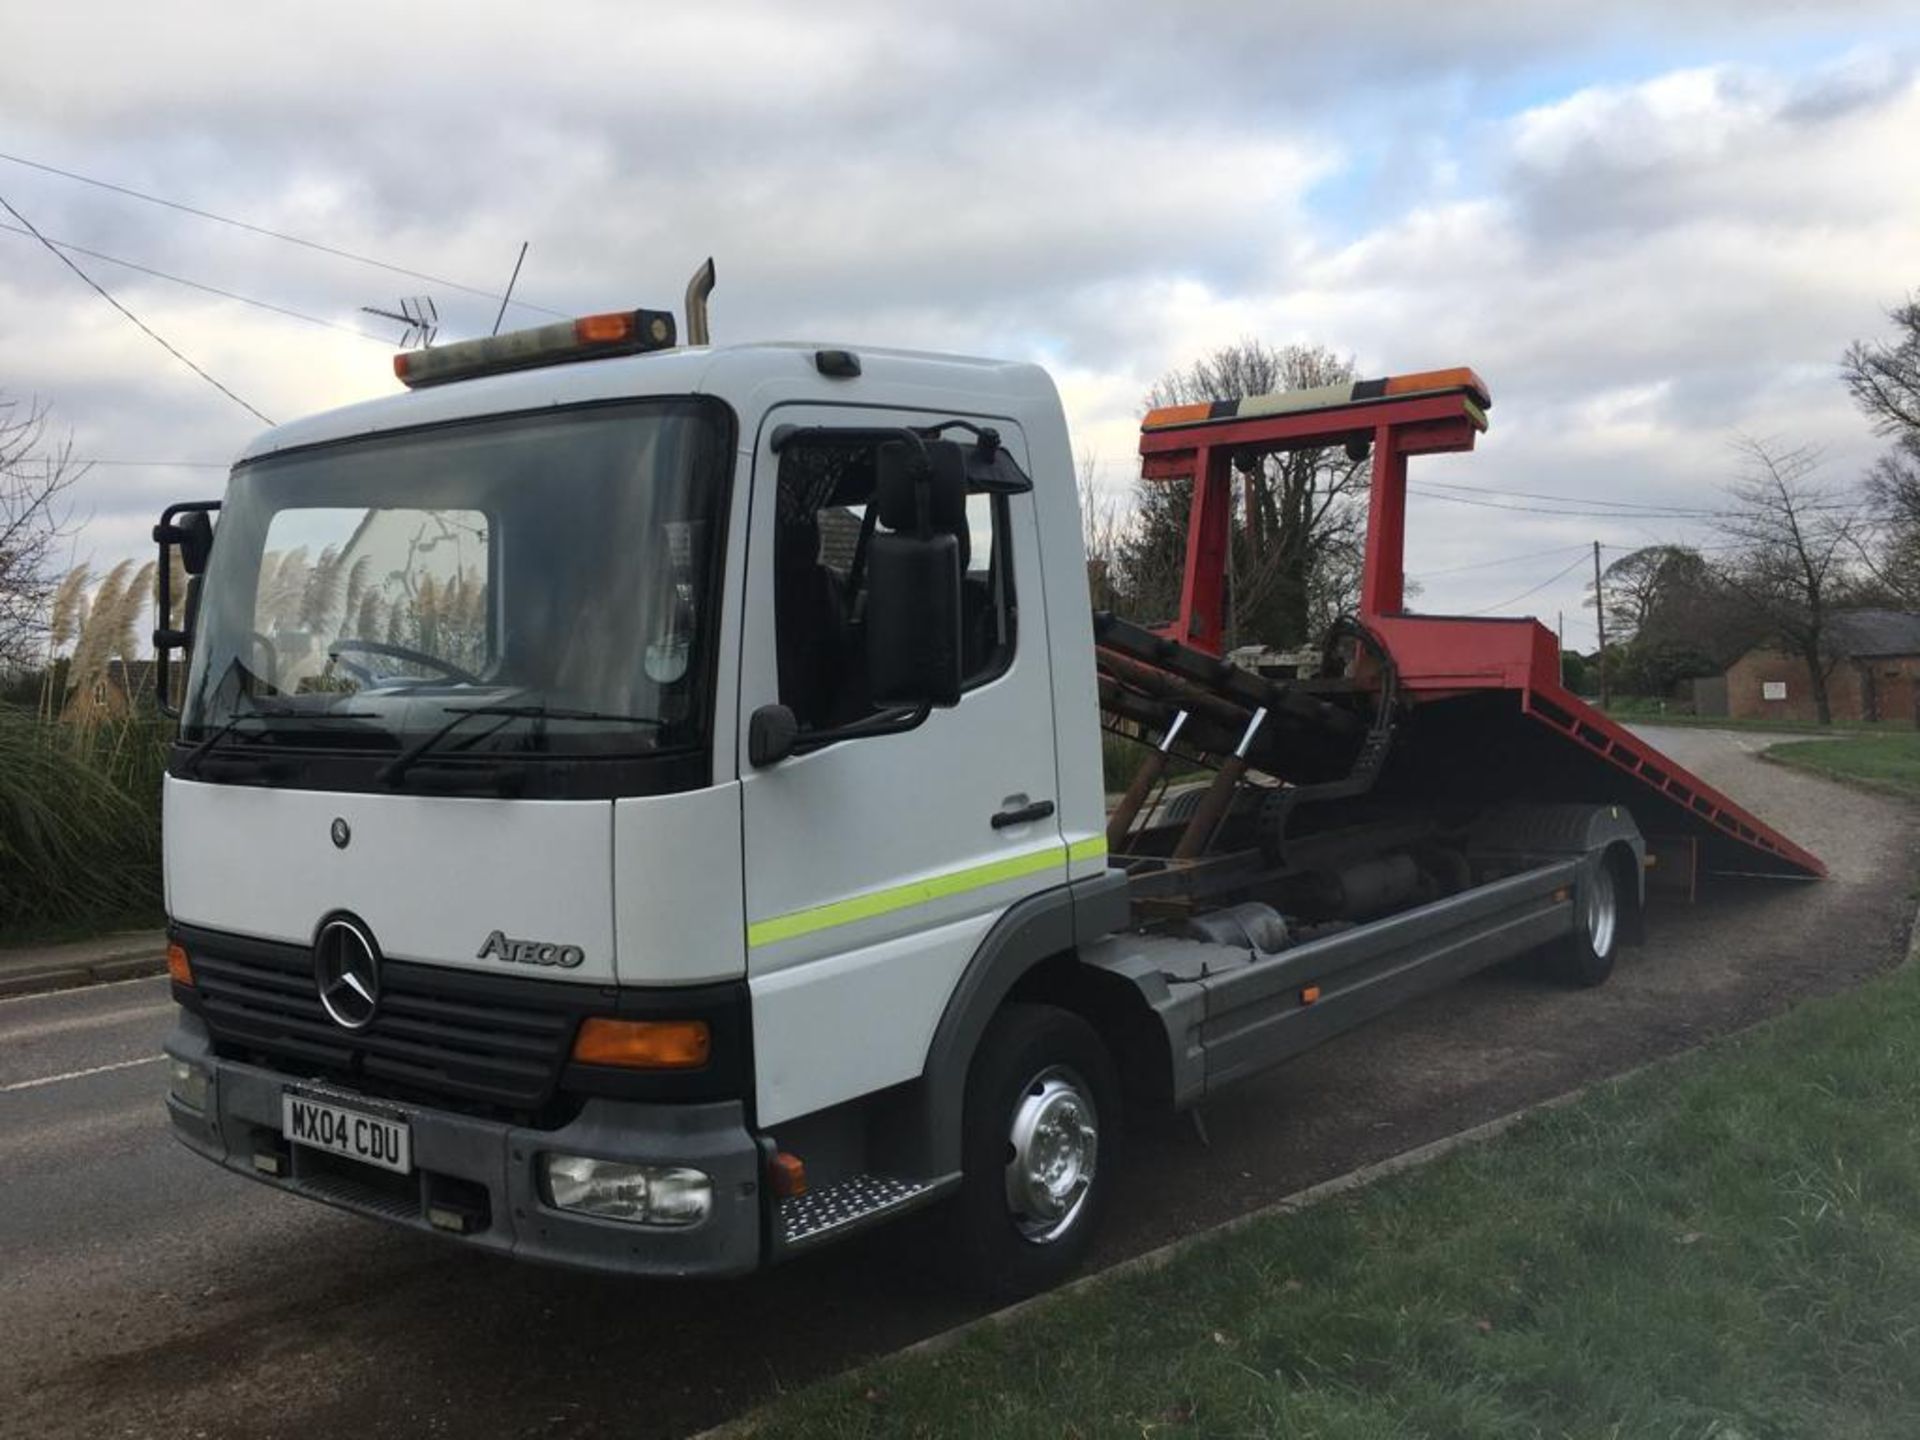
{"x": 644, "y": 1044}
{"x": 787, "y": 1174}
{"x": 604, "y": 329}
{"x": 1459, "y": 378}
{"x": 178, "y": 966}
{"x": 1309, "y": 994}
{"x": 1176, "y": 415}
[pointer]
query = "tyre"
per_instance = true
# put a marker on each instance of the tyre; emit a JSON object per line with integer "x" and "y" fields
{"x": 1585, "y": 958}
{"x": 1041, "y": 1124}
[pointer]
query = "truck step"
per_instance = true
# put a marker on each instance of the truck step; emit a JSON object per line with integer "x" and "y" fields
{"x": 818, "y": 1214}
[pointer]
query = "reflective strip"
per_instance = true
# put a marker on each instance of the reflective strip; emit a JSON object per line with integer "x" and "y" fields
{"x": 1094, "y": 847}
{"x": 899, "y": 897}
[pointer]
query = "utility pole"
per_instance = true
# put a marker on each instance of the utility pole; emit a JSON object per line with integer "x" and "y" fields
{"x": 1600, "y": 616}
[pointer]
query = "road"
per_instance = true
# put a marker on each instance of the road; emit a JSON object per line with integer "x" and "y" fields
{"x": 143, "y": 1292}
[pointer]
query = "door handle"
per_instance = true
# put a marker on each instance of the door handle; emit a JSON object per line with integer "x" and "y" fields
{"x": 1038, "y": 810}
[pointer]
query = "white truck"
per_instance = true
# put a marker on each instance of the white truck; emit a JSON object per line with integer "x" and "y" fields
{"x": 641, "y": 806}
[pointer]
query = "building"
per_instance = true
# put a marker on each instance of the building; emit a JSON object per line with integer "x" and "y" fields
{"x": 1874, "y": 673}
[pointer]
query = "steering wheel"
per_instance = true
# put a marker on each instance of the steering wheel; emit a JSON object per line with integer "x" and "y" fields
{"x": 340, "y": 648}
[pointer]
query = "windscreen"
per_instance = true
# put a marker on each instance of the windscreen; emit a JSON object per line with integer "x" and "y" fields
{"x": 554, "y": 570}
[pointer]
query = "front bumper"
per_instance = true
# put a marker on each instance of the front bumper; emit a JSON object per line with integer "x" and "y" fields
{"x": 485, "y": 1170}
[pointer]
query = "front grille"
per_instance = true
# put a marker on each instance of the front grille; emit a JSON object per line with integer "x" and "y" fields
{"x": 438, "y": 1035}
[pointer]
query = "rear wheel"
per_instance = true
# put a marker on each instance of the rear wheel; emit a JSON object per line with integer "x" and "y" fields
{"x": 1042, "y": 1118}
{"x": 1585, "y": 958}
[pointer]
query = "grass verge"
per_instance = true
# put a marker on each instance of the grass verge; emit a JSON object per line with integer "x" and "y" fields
{"x": 1634, "y": 711}
{"x": 1886, "y": 762}
{"x": 1727, "y": 1245}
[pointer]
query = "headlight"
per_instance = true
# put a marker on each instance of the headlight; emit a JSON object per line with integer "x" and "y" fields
{"x": 188, "y": 1082}
{"x": 615, "y": 1190}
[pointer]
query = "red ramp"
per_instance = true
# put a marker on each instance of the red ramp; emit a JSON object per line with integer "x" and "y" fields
{"x": 1489, "y": 716}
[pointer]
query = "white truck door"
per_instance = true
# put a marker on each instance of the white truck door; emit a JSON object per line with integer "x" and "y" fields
{"x": 876, "y": 865}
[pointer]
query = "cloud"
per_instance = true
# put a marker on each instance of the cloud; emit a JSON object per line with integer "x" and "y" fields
{"x": 1668, "y": 238}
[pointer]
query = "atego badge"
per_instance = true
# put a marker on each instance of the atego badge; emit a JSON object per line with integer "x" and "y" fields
{"x": 531, "y": 952}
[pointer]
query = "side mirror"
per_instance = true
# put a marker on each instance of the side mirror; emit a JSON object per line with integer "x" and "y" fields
{"x": 190, "y": 528}
{"x": 193, "y": 533}
{"x": 913, "y": 620}
{"x": 771, "y": 735}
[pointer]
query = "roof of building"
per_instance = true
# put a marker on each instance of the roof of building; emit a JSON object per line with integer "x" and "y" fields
{"x": 1875, "y": 632}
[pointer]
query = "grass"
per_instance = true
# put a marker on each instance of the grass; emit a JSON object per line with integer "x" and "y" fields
{"x": 1886, "y": 762}
{"x": 79, "y": 826}
{"x": 1725, "y": 1246}
{"x": 1641, "y": 710}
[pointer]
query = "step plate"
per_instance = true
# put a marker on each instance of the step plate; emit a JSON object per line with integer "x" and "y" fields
{"x": 818, "y": 1214}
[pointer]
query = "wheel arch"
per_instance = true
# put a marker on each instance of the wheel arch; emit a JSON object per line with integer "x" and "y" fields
{"x": 1029, "y": 955}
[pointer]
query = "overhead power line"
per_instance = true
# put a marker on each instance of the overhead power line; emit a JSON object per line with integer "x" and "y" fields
{"x": 282, "y": 235}
{"x": 69, "y": 246}
{"x": 1674, "y": 513}
{"x": 1501, "y": 560}
{"x": 154, "y": 335}
{"x": 1579, "y": 560}
{"x": 1561, "y": 499}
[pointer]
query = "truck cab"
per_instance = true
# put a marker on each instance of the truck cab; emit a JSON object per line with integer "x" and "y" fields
{"x": 556, "y": 854}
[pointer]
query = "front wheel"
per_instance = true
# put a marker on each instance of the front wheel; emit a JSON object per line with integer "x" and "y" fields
{"x": 1042, "y": 1121}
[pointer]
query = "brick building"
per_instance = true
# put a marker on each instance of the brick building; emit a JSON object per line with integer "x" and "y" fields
{"x": 1874, "y": 674}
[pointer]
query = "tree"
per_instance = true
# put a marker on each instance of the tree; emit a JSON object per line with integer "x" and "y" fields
{"x": 1884, "y": 379}
{"x": 1296, "y": 525}
{"x": 1675, "y": 616}
{"x": 1793, "y": 541}
{"x": 34, "y": 473}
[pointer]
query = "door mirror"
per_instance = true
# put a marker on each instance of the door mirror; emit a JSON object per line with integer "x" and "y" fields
{"x": 188, "y": 531}
{"x": 193, "y": 533}
{"x": 771, "y": 735}
{"x": 913, "y": 620}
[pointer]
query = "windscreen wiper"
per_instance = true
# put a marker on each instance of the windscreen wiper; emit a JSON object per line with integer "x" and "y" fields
{"x": 395, "y": 769}
{"x": 191, "y": 765}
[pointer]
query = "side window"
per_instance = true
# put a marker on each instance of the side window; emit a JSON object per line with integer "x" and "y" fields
{"x": 823, "y": 523}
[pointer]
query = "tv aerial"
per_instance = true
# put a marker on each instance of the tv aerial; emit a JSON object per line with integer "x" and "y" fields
{"x": 418, "y": 314}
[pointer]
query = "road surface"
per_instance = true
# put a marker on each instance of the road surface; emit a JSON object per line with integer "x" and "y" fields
{"x": 143, "y": 1292}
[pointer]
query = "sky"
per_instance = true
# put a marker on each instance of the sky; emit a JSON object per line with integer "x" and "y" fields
{"x": 1652, "y": 229}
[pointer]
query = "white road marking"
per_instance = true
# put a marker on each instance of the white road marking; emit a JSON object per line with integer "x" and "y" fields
{"x": 80, "y": 1074}
{"x": 69, "y": 991}
{"x": 99, "y": 1019}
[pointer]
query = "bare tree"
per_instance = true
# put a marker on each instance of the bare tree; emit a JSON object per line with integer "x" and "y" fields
{"x": 1793, "y": 541}
{"x": 1884, "y": 378}
{"x": 1100, "y": 530}
{"x": 34, "y": 474}
{"x": 1295, "y": 546}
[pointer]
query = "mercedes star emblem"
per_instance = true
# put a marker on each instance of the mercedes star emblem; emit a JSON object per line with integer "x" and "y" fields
{"x": 346, "y": 972}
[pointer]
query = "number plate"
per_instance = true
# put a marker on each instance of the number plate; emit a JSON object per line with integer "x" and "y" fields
{"x": 322, "y": 1125}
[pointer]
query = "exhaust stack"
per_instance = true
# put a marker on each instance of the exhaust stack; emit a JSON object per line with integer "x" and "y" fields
{"x": 698, "y": 288}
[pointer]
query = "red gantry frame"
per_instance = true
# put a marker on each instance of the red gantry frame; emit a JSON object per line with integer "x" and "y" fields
{"x": 1487, "y": 691}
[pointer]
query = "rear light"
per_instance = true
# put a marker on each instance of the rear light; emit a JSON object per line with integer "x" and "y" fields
{"x": 644, "y": 1044}
{"x": 623, "y": 332}
{"x": 179, "y": 967}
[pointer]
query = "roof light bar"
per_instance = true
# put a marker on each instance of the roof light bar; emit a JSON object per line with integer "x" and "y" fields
{"x": 591, "y": 337}
{"x": 1325, "y": 397}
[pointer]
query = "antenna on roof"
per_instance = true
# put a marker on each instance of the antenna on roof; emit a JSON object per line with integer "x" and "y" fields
{"x": 418, "y": 314}
{"x": 512, "y": 280}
